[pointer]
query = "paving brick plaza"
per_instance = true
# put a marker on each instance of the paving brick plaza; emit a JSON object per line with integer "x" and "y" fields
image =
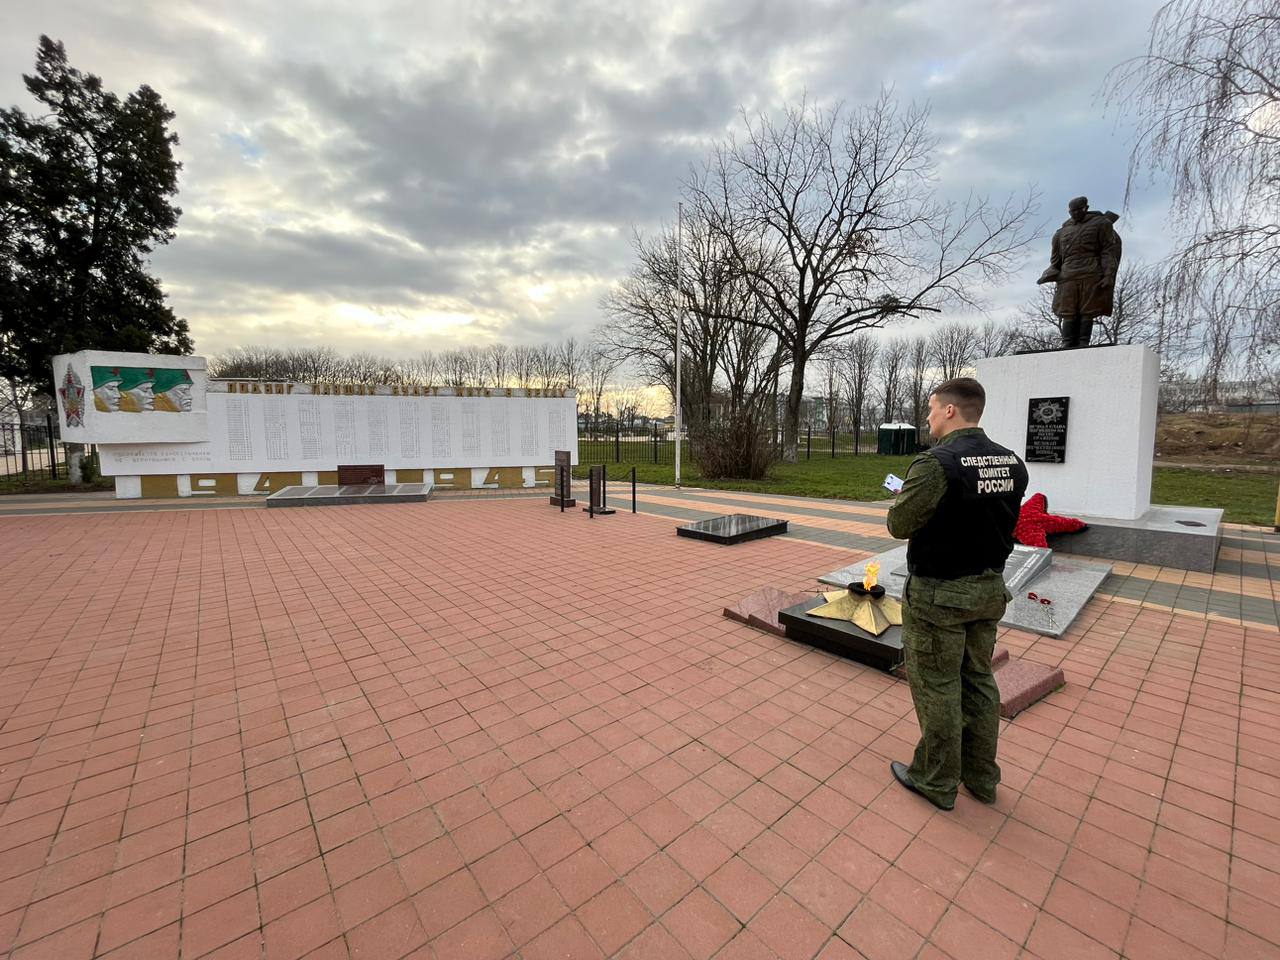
{"x": 473, "y": 729}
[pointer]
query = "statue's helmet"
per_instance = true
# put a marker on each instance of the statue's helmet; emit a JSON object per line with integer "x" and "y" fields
{"x": 1079, "y": 203}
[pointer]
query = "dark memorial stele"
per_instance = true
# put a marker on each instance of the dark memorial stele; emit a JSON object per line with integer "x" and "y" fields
{"x": 1047, "y": 430}
{"x": 842, "y": 637}
{"x": 598, "y": 492}
{"x": 734, "y": 528}
{"x": 563, "y": 496}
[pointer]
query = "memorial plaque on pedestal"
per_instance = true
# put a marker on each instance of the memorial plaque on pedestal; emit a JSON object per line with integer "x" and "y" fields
{"x": 1047, "y": 430}
{"x": 563, "y": 496}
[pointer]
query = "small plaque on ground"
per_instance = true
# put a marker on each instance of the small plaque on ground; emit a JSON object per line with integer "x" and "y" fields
{"x": 1024, "y": 565}
{"x": 734, "y": 528}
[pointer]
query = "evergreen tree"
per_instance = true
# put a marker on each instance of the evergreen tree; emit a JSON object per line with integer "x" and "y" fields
{"x": 85, "y": 196}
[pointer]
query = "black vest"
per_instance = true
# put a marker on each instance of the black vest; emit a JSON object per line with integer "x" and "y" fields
{"x": 972, "y": 529}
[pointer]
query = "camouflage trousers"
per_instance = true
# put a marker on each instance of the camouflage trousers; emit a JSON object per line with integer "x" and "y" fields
{"x": 948, "y": 635}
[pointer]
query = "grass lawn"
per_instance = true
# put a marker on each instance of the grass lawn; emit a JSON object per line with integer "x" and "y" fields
{"x": 848, "y": 478}
{"x": 1245, "y": 497}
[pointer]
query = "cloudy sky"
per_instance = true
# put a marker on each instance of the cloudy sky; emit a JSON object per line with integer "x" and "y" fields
{"x": 398, "y": 176}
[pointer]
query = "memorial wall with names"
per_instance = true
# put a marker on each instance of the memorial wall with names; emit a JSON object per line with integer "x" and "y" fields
{"x": 269, "y": 428}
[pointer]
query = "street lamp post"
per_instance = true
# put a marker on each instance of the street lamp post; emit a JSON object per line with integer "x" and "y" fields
{"x": 679, "y": 334}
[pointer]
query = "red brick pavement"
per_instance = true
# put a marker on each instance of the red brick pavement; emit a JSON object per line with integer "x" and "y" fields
{"x": 481, "y": 730}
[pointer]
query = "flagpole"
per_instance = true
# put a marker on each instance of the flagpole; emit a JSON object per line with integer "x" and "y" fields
{"x": 679, "y": 335}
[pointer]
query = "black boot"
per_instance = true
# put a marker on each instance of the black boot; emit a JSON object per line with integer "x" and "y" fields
{"x": 1070, "y": 332}
{"x": 1086, "y": 332}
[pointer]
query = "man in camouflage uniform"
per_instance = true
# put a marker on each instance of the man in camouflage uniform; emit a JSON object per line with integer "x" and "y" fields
{"x": 957, "y": 509}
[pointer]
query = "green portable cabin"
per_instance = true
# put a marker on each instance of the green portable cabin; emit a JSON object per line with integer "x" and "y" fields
{"x": 895, "y": 439}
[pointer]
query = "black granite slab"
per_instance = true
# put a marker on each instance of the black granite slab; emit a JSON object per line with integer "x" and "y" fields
{"x": 734, "y": 528}
{"x": 841, "y": 637}
{"x": 332, "y": 495}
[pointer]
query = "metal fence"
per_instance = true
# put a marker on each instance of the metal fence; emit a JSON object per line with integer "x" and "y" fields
{"x": 32, "y": 451}
{"x": 656, "y": 444}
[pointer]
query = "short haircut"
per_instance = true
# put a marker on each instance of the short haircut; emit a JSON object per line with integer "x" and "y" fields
{"x": 965, "y": 393}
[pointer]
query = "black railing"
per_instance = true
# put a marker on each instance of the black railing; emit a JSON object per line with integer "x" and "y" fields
{"x": 656, "y": 444}
{"x": 621, "y": 444}
{"x": 31, "y": 451}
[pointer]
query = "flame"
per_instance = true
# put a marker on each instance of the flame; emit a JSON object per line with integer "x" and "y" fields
{"x": 869, "y": 578}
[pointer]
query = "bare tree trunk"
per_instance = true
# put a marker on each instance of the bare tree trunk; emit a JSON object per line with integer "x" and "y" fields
{"x": 791, "y": 423}
{"x": 75, "y": 463}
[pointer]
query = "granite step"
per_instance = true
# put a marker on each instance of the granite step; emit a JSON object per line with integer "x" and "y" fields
{"x": 1024, "y": 682}
{"x": 1021, "y": 682}
{"x": 760, "y": 609}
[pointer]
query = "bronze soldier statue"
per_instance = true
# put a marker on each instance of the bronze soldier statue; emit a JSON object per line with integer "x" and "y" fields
{"x": 1083, "y": 264}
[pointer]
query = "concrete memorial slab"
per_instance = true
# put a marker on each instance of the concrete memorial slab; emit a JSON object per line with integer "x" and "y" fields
{"x": 1066, "y": 583}
{"x": 734, "y": 528}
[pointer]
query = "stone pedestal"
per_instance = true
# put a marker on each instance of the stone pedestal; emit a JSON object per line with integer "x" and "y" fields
{"x": 1109, "y": 398}
{"x": 1111, "y": 424}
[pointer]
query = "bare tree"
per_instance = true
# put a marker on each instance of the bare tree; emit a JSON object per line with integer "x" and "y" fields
{"x": 994, "y": 338}
{"x": 1207, "y": 100}
{"x": 750, "y": 364}
{"x": 951, "y": 349}
{"x": 892, "y": 360}
{"x": 570, "y": 362}
{"x": 827, "y": 364}
{"x": 313, "y": 364}
{"x": 428, "y": 367}
{"x": 626, "y": 402}
{"x": 919, "y": 359}
{"x": 366, "y": 367}
{"x": 641, "y": 311}
{"x": 547, "y": 366}
{"x": 858, "y": 365}
{"x": 497, "y": 362}
{"x": 522, "y": 364}
{"x": 455, "y": 368}
{"x": 248, "y": 363}
{"x": 598, "y": 367}
{"x": 834, "y": 222}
